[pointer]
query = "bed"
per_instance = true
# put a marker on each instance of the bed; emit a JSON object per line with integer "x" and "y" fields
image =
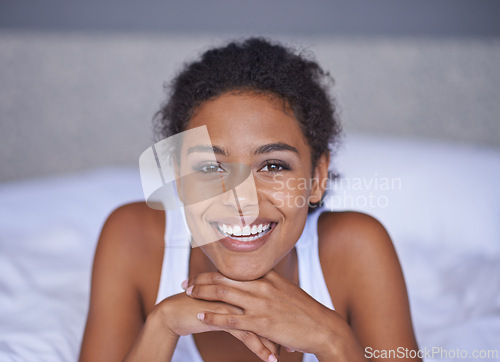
{"x": 439, "y": 201}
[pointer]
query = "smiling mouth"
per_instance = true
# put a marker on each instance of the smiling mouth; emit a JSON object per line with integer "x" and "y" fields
{"x": 246, "y": 233}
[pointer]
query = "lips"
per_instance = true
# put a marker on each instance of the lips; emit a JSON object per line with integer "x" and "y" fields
{"x": 246, "y": 238}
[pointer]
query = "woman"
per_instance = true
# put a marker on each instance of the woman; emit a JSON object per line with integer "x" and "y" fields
{"x": 273, "y": 277}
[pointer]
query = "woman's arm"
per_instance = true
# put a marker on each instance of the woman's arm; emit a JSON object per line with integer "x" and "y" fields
{"x": 127, "y": 254}
{"x": 360, "y": 264}
{"x": 155, "y": 342}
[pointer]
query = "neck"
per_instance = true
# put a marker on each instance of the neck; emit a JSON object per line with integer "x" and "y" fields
{"x": 288, "y": 267}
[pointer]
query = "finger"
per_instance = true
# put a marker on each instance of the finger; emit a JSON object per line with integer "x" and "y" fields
{"x": 206, "y": 278}
{"x": 256, "y": 345}
{"x": 221, "y": 308}
{"x": 222, "y": 293}
{"x": 273, "y": 347}
{"x": 226, "y": 321}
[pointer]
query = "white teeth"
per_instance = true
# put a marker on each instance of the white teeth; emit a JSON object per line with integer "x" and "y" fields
{"x": 247, "y": 230}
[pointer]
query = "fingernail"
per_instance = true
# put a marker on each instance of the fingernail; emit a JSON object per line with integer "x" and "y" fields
{"x": 272, "y": 358}
{"x": 189, "y": 290}
{"x": 184, "y": 284}
{"x": 200, "y": 316}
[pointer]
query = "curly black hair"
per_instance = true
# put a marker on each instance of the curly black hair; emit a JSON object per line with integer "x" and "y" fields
{"x": 256, "y": 65}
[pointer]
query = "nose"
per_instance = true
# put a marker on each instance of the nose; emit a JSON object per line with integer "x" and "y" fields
{"x": 243, "y": 199}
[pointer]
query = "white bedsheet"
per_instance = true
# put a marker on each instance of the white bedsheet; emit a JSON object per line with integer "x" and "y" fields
{"x": 444, "y": 220}
{"x": 48, "y": 233}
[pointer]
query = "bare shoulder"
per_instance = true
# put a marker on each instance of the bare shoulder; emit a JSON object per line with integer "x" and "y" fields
{"x": 352, "y": 233}
{"x": 132, "y": 241}
{"x": 365, "y": 280}
{"x": 125, "y": 278}
{"x": 135, "y": 226}
{"x": 135, "y": 216}
{"x": 357, "y": 256}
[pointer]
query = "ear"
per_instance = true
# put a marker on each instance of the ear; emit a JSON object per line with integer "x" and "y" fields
{"x": 320, "y": 178}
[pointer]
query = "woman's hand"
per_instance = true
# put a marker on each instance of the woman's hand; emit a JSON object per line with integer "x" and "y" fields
{"x": 178, "y": 315}
{"x": 276, "y": 309}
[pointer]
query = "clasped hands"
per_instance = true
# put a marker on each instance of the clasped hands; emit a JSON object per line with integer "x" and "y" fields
{"x": 262, "y": 313}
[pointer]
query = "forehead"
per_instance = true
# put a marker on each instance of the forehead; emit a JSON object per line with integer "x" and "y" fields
{"x": 241, "y": 121}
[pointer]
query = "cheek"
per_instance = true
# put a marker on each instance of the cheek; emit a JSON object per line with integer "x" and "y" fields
{"x": 195, "y": 210}
{"x": 203, "y": 233}
{"x": 288, "y": 192}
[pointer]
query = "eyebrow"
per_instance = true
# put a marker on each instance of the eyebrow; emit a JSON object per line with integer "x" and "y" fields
{"x": 207, "y": 149}
{"x": 272, "y": 147}
{"x": 267, "y": 148}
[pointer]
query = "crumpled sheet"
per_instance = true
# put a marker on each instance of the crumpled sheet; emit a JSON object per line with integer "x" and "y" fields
{"x": 48, "y": 233}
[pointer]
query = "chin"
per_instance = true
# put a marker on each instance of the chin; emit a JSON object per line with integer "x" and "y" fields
{"x": 243, "y": 273}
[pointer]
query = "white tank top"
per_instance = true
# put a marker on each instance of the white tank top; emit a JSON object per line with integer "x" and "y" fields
{"x": 175, "y": 270}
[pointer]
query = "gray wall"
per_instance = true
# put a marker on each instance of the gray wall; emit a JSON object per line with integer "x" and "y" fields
{"x": 69, "y": 102}
{"x": 298, "y": 17}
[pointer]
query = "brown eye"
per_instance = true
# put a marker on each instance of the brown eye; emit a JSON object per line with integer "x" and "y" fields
{"x": 209, "y": 168}
{"x": 275, "y": 166}
{"x": 272, "y": 168}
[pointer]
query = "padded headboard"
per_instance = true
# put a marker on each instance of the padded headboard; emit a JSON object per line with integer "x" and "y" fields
{"x": 76, "y": 101}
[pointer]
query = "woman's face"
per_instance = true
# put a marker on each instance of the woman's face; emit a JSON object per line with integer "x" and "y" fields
{"x": 245, "y": 231}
